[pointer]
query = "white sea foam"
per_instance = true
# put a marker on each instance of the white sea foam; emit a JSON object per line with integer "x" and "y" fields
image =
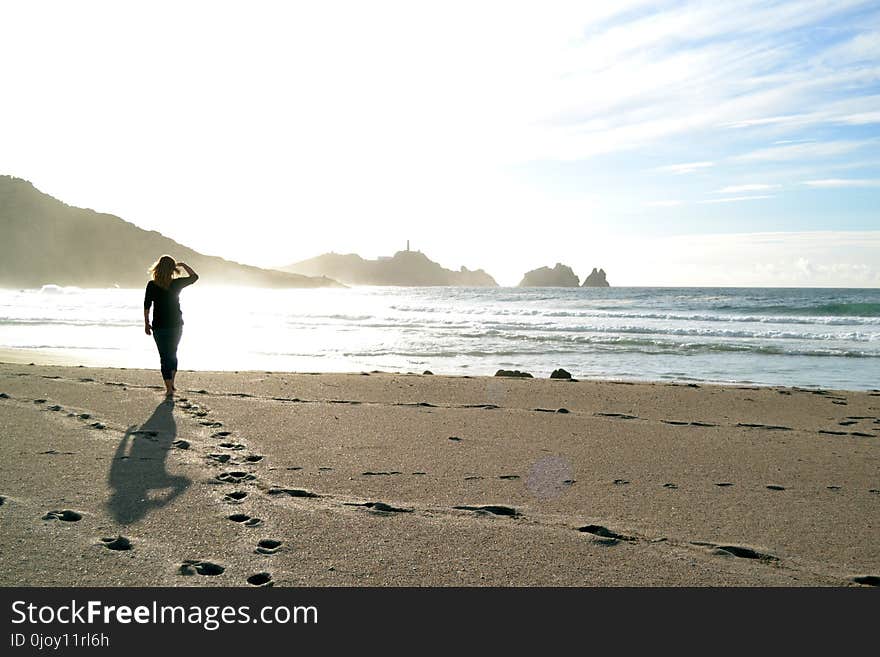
{"x": 795, "y": 337}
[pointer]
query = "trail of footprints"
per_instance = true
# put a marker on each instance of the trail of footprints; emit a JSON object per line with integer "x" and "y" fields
{"x": 229, "y": 453}
{"x": 267, "y": 546}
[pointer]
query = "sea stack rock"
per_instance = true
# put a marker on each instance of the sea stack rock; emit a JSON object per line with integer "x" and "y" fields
{"x": 596, "y": 279}
{"x": 514, "y": 373}
{"x": 560, "y": 276}
{"x": 560, "y": 374}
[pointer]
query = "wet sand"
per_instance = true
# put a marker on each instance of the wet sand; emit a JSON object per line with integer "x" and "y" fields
{"x": 376, "y": 479}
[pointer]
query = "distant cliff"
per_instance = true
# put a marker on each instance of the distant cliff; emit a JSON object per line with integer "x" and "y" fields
{"x": 406, "y": 268}
{"x": 596, "y": 279}
{"x": 46, "y": 241}
{"x": 560, "y": 276}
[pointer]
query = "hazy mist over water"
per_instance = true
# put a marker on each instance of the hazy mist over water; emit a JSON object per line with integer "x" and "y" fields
{"x": 804, "y": 337}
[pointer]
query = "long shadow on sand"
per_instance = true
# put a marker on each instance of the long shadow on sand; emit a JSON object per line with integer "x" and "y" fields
{"x": 138, "y": 478}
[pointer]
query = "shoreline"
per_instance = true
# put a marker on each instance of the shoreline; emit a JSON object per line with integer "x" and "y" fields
{"x": 43, "y": 358}
{"x": 395, "y": 480}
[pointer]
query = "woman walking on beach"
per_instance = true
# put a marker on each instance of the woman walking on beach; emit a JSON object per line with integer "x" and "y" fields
{"x": 162, "y": 293}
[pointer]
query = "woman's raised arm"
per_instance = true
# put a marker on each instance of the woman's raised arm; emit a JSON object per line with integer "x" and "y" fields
{"x": 189, "y": 270}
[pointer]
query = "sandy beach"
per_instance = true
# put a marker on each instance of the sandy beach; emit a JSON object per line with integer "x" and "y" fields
{"x": 378, "y": 479}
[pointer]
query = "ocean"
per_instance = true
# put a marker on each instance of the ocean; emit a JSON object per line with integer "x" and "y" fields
{"x": 794, "y": 337}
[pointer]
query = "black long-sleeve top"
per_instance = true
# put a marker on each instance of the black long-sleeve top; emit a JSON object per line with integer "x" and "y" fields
{"x": 166, "y": 303}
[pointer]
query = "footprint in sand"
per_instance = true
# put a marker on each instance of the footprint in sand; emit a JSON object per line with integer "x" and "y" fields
{"x": 253, "y": 458}
{"x": 221, "y": 434}
{"x": 291, "y": 492}
{"x": 724, "y": 484}
{"x": 193, "y": 566}
{"x": 268, "y": 546}
{"x": 774, "y": 487}
{"x": 235, "y": 497}
{"x": 670, "y": 486}
{"x": 260, "y": 579}
{"x": 2, "y": 500}
{"x": 181, "y": 444}
{"x": 118, "y": 543}
{"x": 235, "y": 446}
{"x": 379, "y": 508}
{"x": 620, "y": 416}
{"x": 66, "y": 515}
{"x": 494, "y": 509}
{"x": 867, "y": 580}
{"x": 509, "y": 477}
{"x": 3, "y": 395}
{"x": 235, "y": 477}
{"x": 220, "y": 458}
{"x": 605, "y": 536}
{"x": 620, "y": 482}
{"x": 743, "y": 553}
{"x": 245, "y": 520}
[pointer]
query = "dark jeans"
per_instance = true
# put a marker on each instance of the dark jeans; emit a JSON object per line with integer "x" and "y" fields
{"x": 167, "y": 340}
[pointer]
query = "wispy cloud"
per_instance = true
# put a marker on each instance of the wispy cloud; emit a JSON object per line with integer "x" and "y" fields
{"x": 687, "y": 167}
{"x": 736, "y": 199}
{"x": 820, "y": 258}
{"x": 806, "y": 150}
{"x": 836, "y": 183}
{"x": 729, "y": 199}
{"x": 738, "y": 189}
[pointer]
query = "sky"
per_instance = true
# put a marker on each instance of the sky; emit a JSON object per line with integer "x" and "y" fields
{"x": 671, "y": 143}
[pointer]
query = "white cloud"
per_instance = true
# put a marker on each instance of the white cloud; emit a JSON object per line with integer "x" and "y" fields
{"x": 663, "y": 204}
{"x": 815, "y": 258}
{"x": 688, "y": 167}
{"x": 735, "y": 199}
{"x": 807, "y": 150}
{"x": 842, "y": 182}
{"x": 737, "y": 189}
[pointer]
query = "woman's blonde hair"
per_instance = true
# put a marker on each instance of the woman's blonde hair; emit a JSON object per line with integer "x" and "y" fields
{"x": 163, "y": 270}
